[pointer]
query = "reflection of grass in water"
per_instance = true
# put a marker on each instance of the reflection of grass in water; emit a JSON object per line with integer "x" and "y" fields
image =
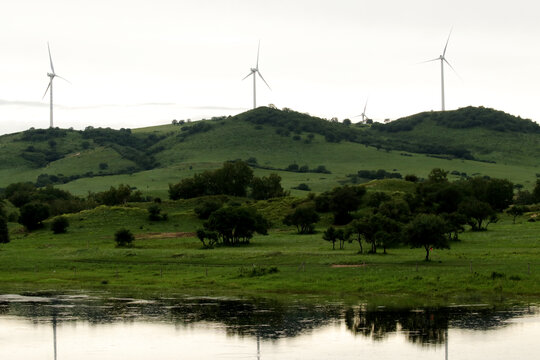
{"x": 86, "y": 258}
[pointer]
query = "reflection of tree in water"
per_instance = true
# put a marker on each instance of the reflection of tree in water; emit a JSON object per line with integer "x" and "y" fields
{"x": 263, "y": 318}
{"x": 428, "y": 326}
{"x": 374, "y": 324}
{"x": 269, "y": 320}
{"x": 425, "y": 327}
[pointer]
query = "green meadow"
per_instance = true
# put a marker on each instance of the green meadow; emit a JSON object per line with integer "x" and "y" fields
{"x": 167, "y": 259}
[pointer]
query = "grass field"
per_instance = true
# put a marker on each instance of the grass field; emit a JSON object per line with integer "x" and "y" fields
{"x": 515, "y": 155}
{"x": 502, "y": 264}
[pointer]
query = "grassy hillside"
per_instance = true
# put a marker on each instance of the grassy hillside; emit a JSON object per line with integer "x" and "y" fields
{"x": 151, "y": 158}
{"x": 167, "y": 259}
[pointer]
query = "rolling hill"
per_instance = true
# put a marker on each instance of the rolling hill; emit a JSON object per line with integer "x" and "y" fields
{"x": 471, "y": 141}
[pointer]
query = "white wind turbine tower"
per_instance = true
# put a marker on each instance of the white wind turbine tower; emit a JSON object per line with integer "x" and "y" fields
{"x": 254, "y": 71}
{"x": 363, "y": 114}
{"x": 443, "y": 60}
{"x": 51, "y": 75}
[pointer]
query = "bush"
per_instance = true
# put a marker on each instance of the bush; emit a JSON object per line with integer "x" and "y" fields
{"x": 33, "y": 214}
{"x": 123, "y": 238}
{"x": 303, "y": 187}
{"x": 154, "y": 213}
{"x": 207, "y": 207}
{"x": 60, "y": 225}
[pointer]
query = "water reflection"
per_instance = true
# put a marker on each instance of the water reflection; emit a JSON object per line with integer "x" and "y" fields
{"x": 270, "y": 328}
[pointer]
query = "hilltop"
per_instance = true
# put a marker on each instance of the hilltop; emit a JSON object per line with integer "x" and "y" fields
{"x": 468, "y": 141}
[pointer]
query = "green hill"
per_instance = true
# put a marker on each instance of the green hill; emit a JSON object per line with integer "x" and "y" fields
{"x": 471, "y": 141}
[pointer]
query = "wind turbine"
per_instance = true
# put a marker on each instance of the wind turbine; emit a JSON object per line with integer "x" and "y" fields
{"x": 51, "y": 75}
{"x": 254, "y": 71}
{"x": 443, "y": 60}
{"x": 363, "y": 114}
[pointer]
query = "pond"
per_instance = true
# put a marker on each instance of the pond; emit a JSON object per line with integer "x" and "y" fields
{"x": 86, "y": 327}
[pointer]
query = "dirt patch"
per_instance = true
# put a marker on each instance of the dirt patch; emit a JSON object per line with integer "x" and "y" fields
{"x": 167, "y": 235}
{"x": 348, "y": 266}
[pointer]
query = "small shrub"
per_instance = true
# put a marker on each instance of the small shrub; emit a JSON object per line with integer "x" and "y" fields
{"x": 497, "y": 275}
{"x": 303, "y": 187}
{"x": 123, "y": 238}
{"x": 60, "y": 225}
{"x": 257, "y": 271}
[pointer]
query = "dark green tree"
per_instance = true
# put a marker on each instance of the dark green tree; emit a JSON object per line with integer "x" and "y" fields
{"x": 59, "y": 225}
{"x": 304, "y": 218}
{"x": 455, "y": 223}
{"x": 516, "y": 211}
{"x": 123, "y": 238}
{"x": 478, "y": 212}
{"x": 154, "y": 213}
{"x": 33, "y": 214}
{"x": 377, "y": 230}
{"x": 236, "y": 224}
{"x": 207, "y": 207}
{"x": 427, "y": 231}
{"x": 438, "y": 175}
{"x": 344, "y": 200}
{"x": 331, "y": 235}
{"x": 208, "y": 238}
{"x": 267, "y": 187}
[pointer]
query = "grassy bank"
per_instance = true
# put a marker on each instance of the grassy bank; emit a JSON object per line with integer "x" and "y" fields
{"x": 502, "y": 264}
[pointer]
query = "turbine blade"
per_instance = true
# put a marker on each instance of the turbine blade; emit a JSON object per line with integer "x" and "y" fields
{"x": 447, "y": 40}
{"x": 258, "y": 49}
{"x": 47, "y": 89}
{"x": 66, "y": 80}
{"x": 50, "y": 57}
{"x": 248, "y": 75}
{"x": 258, "y": 72}
{"x": 365, "y": 106}
{"x": 451, "y": 67}
{"x": 423, "y": 62}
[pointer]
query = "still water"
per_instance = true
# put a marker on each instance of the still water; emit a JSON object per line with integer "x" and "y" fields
{"x": 85, "y": 327}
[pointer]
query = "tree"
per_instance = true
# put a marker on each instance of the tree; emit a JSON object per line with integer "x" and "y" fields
{"x": 331, "y": 234}
{"x": 477, "y": 212}
{"x": 154, "y": 213}
{"x": 438, "y": 175}
{"x": 60, "y": 225}
{"x": 236, "y": 224}
{"x": 33, "y": 214}
{"x": 454, "y": 224}
{"x": 207, "y": 207}
{"x": 114, "y": 196}
{"x": 499, "y": 193}
{"x": 234, "y": 177}
{"x": 303, "y": 217}
{"x": 123, "y": 238}
{"x": 356, "y": 227}
{"x": 267, "y": 187}
{"x": 208, "y": 238}
{"x": 516, "y": 211}
{"x": 427, "y": 231}
{"x": 344, "y": 200}
{"x": 377, "y": 230}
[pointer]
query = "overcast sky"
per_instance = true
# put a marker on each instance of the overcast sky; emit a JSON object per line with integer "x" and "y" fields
{"x": 135, "y": 63}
